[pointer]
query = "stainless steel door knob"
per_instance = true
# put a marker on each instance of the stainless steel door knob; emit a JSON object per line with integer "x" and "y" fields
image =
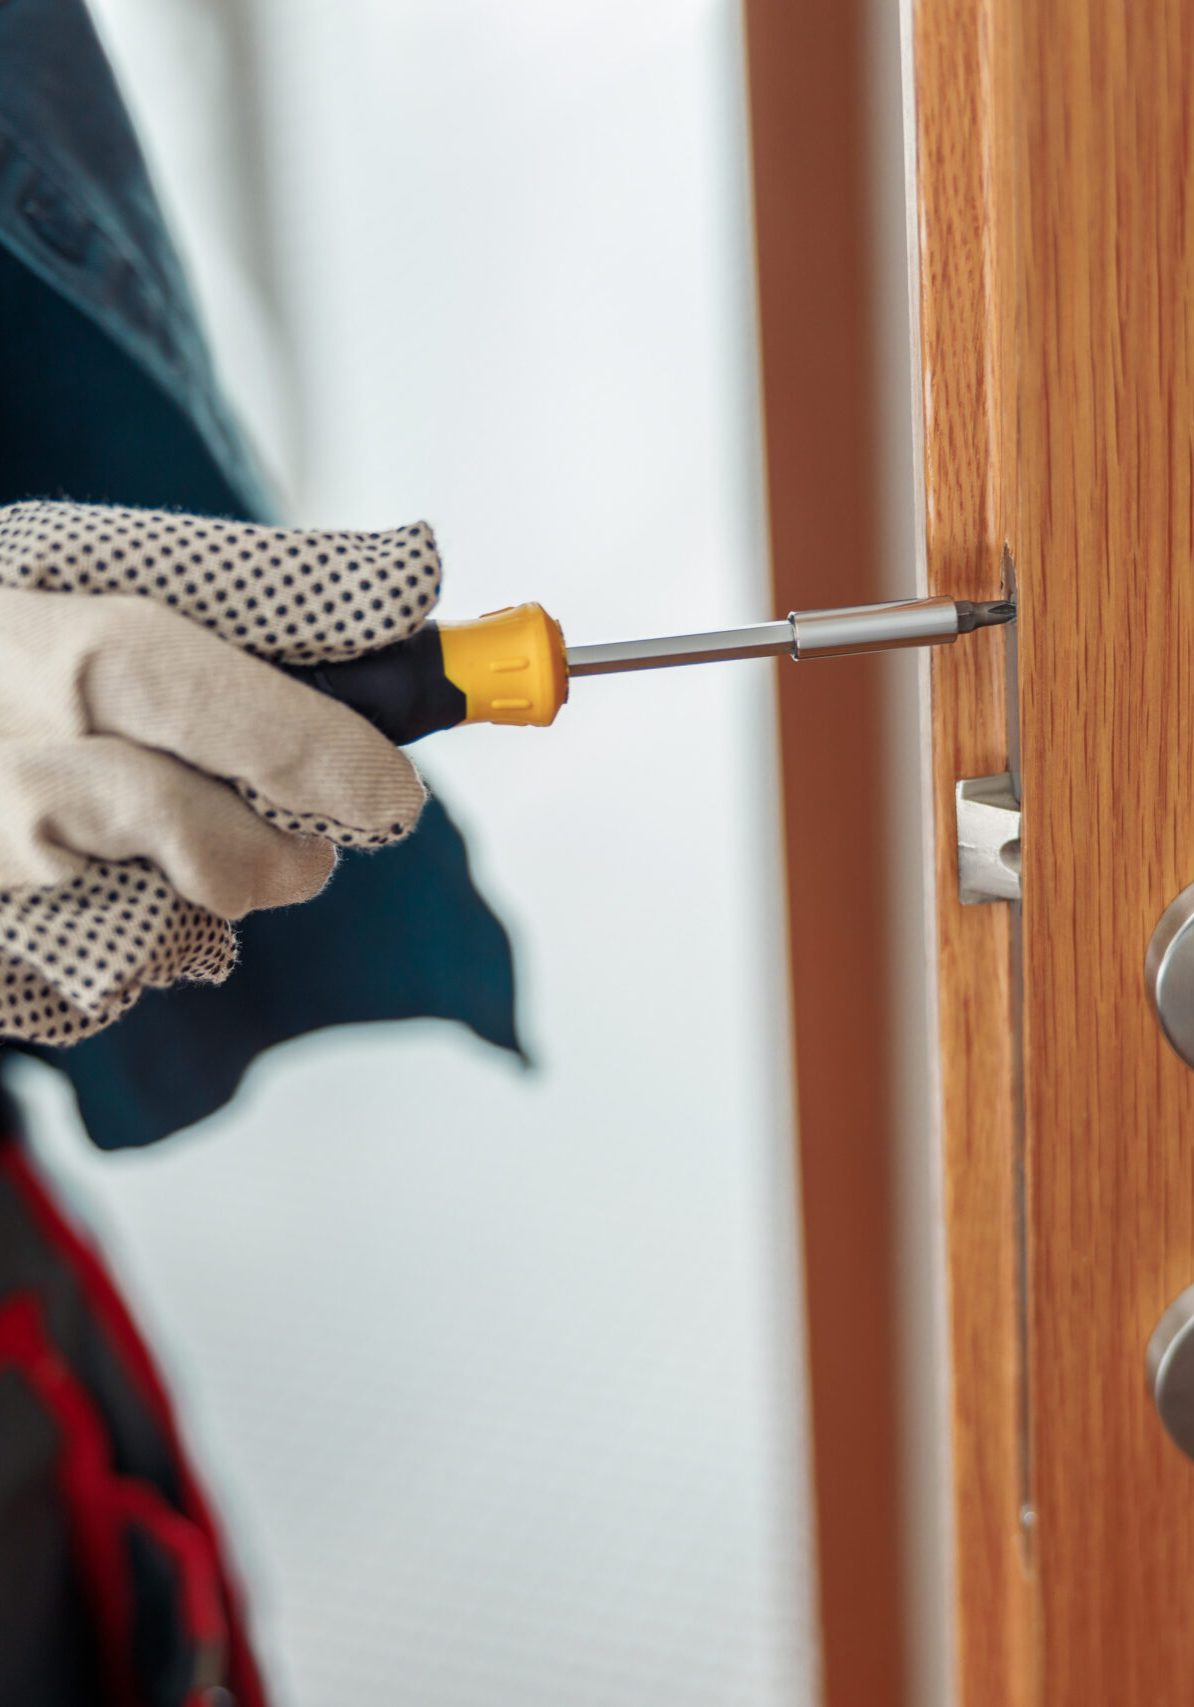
{"x": 1170, "y": 1370}
{"x": 1169, "y": 973}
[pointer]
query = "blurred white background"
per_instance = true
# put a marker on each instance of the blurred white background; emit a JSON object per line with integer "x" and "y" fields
{"x": 497, "y": 1373}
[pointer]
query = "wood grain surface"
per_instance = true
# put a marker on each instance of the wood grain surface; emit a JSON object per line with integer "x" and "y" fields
{"x": 1106, "y": 278}
{"x": 963, "y": 203}
{"x": 1057, "y": 307}
{"x": 810, "y": 147}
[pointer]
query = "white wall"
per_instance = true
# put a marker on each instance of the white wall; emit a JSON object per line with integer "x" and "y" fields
{"x": 499, "y": 1372}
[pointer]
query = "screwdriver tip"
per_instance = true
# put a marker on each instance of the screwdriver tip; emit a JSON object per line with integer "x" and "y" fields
{"x": 972, "y": 615}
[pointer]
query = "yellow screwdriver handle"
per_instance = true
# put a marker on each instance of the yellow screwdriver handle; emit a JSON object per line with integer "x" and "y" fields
{"x": 510, "y": 665}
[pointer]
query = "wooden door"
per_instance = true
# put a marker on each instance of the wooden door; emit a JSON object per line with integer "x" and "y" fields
{"x": 1053, "y": 180}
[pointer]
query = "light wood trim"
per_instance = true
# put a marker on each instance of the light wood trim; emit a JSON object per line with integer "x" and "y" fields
{"x": 809, "y": 114}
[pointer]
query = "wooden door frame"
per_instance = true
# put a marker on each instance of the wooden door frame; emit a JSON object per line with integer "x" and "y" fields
{"x": 808, "y": 71}
{"x": 962, "y": 156}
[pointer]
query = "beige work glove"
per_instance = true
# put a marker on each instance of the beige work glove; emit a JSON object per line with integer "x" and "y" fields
{"x": 158, "y": 778}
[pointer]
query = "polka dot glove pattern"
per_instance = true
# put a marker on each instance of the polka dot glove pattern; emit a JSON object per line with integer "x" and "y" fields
{"x": 158, "y": 778}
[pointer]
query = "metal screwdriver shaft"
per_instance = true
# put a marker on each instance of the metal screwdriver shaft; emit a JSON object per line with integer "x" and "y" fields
{"x": 805, "y": 634}
{"x": 512, "y": 666}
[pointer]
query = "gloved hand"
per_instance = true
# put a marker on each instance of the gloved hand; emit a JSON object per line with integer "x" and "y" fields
{"x": 159, "y": 778}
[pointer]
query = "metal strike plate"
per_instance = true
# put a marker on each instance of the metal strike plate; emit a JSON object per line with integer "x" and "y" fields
{"x": 1169, "y": 1367}
{"x": 988, "y": 839}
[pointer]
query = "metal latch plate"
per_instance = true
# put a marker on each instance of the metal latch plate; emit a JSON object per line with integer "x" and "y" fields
{"x": 988, "y": 839}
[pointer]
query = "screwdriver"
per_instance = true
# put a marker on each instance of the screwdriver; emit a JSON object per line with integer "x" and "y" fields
{"x": 513, "y": 667}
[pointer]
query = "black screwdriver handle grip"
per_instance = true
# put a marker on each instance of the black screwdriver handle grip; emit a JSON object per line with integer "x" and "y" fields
{"x": 401, "y": 689}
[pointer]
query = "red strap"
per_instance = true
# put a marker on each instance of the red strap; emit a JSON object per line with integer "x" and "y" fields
{"x": 198, "y": 1577}
{"x": 84, "y": 1478}
{"x": 114, "y": 1321}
